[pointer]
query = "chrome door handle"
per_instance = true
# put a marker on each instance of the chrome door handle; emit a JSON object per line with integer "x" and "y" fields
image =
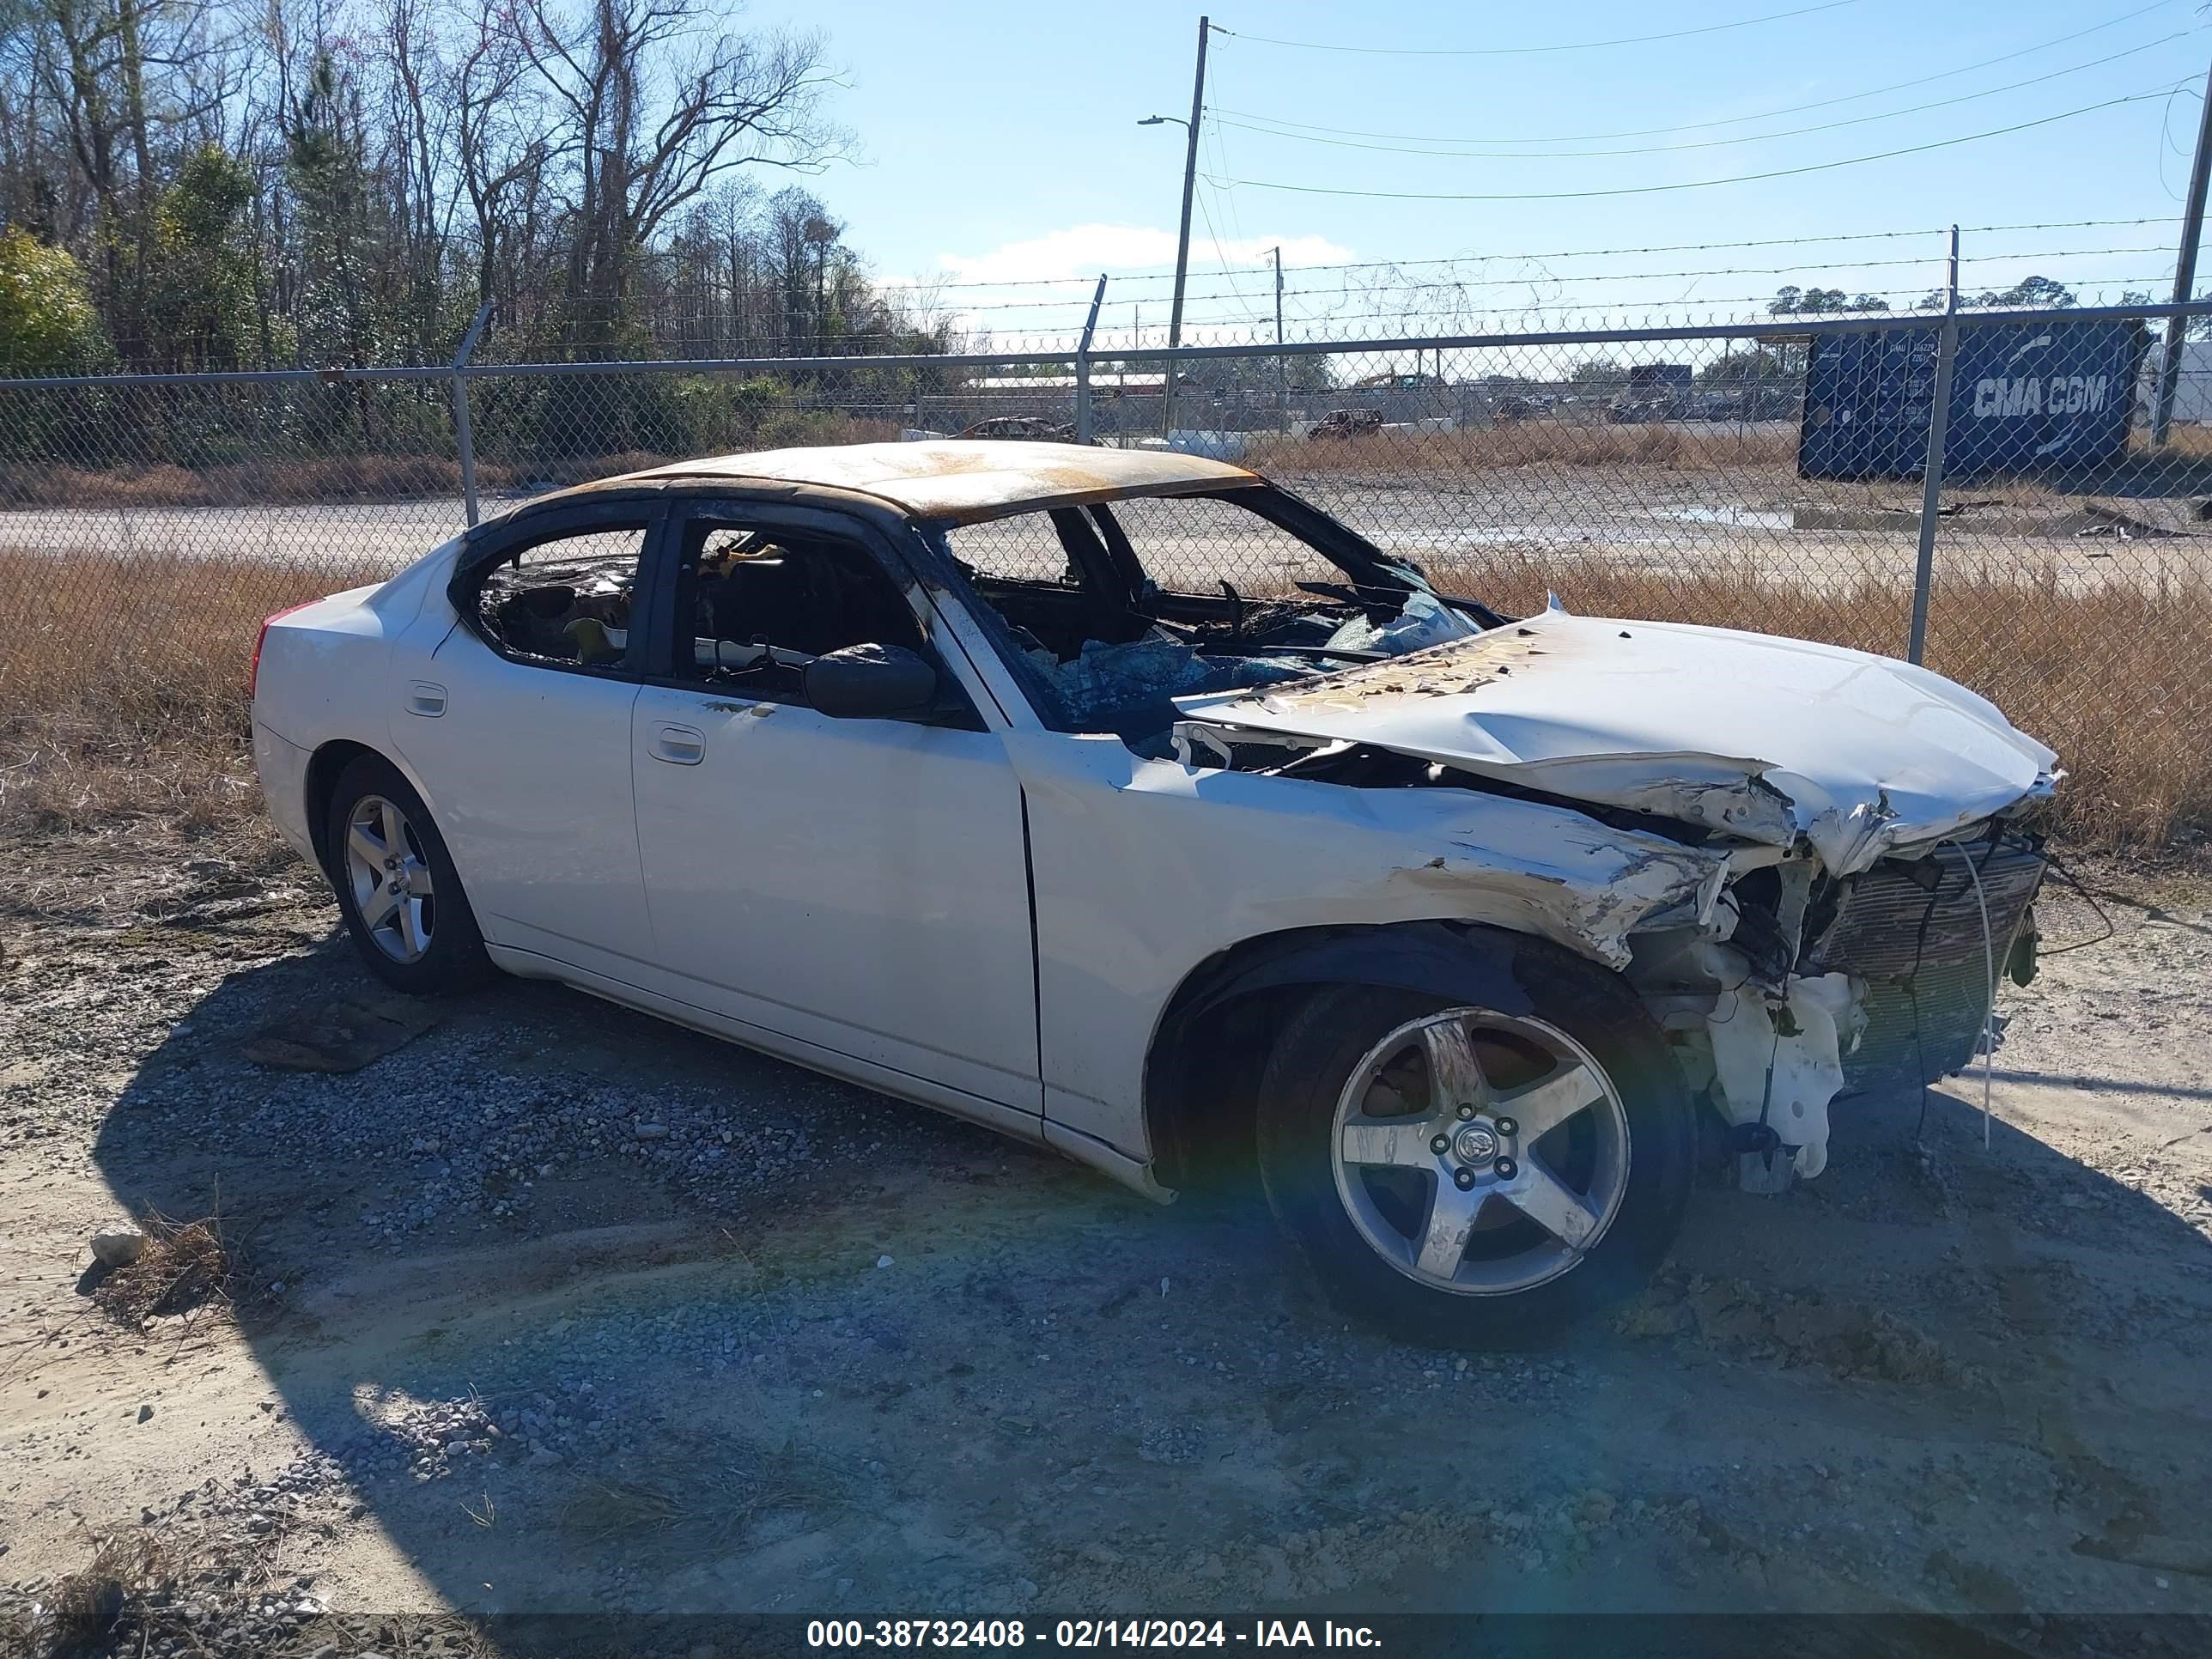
{"x": 426, "y": 698}
{"x": 679, "y": 745}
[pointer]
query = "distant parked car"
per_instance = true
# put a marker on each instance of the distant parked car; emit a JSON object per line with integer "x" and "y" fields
{"x": 1347, "y": 423}
{"x": 929, "y": 766}
{"x": 1033, "y": 428}
{"x": 1512, "y": 407}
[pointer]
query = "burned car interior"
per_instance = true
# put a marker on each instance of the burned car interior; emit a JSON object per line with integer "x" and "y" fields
{"x": 765, "y": 603}
{"x": 563, "y": 600}
{"x": 1089, "y": 612}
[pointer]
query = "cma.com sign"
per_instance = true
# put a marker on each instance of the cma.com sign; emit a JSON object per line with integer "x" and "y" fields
{"x": 2002, "y": 398}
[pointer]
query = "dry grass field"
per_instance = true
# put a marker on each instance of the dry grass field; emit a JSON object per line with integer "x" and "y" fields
{"x": 257, "y": 483}
{"x": 123, "y": 685}
{"x": 1714, "y": 446}
{"x": 123, "y": 692}
{"x": 331, "y": 480}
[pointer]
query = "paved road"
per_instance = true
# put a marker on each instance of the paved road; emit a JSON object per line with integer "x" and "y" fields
{"x": 1759, "y": 525}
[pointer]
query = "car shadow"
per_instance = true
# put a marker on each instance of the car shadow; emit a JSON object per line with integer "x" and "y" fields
{"x": 584, "y": 1316}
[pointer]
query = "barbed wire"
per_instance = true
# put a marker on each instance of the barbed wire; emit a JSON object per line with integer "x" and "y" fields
{"x": 1443, "y": 284}
{"x": 1159, "y": 274}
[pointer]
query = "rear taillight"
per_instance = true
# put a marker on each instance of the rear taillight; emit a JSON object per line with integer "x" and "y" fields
{"x": 253, "y": 674}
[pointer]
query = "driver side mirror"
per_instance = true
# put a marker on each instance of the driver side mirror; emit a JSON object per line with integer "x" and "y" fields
{"x": 870, "y": 683}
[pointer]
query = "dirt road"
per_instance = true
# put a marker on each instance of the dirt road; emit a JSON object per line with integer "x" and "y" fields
{"x": 553, "y": 1309}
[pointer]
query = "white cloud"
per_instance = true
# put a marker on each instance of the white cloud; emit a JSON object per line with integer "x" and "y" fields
{"x": 1085, "y": 249}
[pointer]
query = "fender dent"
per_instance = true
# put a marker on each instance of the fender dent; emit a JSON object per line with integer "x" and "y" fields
{"x": 1600, "y": 887}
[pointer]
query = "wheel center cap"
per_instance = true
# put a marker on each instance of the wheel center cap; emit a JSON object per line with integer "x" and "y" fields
{"x": 1475, "y": 1143}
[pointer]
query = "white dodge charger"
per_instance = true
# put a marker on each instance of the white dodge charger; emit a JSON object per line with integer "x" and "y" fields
{"x": 934, "y": 766}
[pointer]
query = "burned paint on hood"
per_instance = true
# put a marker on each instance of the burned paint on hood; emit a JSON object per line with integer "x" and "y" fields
{"x": 1751, "y": 735}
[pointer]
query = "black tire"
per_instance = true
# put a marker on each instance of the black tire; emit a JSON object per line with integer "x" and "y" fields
{"x": 454, "y": 958}
{"x": 1311, "y": 1065}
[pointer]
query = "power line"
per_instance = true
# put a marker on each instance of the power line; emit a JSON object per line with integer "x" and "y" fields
{"x": 1729, "y": 120}
{"x": 1698, "y": 184}
{"x": 1214, "y": 236}
{"x": 1235, "y": 219}
{"x": 1520, "y": 51}
{"x": 1707, "y": 144}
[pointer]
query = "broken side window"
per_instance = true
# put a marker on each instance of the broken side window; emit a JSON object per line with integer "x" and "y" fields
{"x": 565, "y": 599}
{"x": 1196, "y": 543}
{"x": 763, "y": 603}
{"x": 1026, "y": 547}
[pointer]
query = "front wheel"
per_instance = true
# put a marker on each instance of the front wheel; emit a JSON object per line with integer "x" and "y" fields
{"x": 1469, "y": 1177}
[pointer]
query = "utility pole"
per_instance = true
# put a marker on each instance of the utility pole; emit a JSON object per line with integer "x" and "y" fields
{"x": 1931, "y": 481}
{"x": 1282, "y": 380}
{"x": 1183, "y": 237}
{"x": 2185, "y": 270}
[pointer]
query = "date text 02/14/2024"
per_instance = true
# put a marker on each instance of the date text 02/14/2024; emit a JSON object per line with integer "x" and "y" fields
{"x": 1081, "y": 1633}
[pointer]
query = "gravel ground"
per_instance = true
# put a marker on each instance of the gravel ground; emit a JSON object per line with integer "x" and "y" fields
{"x": 556, "y": 1309}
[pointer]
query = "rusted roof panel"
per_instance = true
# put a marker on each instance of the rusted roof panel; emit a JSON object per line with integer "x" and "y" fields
{"x": 965, "y": 481}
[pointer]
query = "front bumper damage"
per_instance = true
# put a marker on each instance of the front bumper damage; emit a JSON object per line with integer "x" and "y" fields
{"x": 1807, "y": 986}
{"x": 1858, "y": 817}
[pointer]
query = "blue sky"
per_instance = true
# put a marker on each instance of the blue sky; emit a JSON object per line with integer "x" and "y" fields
{"x": 1000, "y": 141}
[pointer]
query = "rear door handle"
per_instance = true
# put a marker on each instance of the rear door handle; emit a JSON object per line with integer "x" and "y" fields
{"x": 679, "y": 745}
{"x": 426, "y": 698}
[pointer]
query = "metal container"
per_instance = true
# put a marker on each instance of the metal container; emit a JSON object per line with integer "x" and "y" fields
{"x": 2025, "y": 397}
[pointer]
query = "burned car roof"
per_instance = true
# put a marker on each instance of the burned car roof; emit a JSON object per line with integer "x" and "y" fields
{"x": 964, "y": 481}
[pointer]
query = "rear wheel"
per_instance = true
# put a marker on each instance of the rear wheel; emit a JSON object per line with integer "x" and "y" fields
{"x": 396, "y": 884}
{"x": 1469, "y": 1177}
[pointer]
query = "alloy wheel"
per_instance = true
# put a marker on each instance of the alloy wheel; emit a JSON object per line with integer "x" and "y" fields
{"x": 390, "y": 877}
{"x": 1479, "y": 1153}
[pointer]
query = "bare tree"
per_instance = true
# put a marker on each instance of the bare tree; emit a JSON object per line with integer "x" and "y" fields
{"x": 651, "y": 106}
{"x": 504, "y": 148}
{"x": 418, "y": 129}
{"x": 361, "y": 174}
{"x": 117, "y": 76}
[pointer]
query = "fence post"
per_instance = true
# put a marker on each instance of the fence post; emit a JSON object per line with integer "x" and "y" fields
{"x": 1931, "y": 491}
{"x": 1082, "y": 364}
{"x": 464, "y": 439}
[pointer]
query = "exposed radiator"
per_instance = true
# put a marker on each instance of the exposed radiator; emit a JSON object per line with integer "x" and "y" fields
{"x": 1912, "y": 929}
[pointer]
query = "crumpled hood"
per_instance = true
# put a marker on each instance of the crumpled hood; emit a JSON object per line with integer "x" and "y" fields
{"x": 1755, "y": 735}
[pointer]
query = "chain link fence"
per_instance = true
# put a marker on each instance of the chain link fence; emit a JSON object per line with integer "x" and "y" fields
{"x": 1986, "y": 491}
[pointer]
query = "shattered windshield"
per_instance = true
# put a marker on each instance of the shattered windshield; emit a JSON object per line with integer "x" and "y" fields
{"x": 1108, "y": 612}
